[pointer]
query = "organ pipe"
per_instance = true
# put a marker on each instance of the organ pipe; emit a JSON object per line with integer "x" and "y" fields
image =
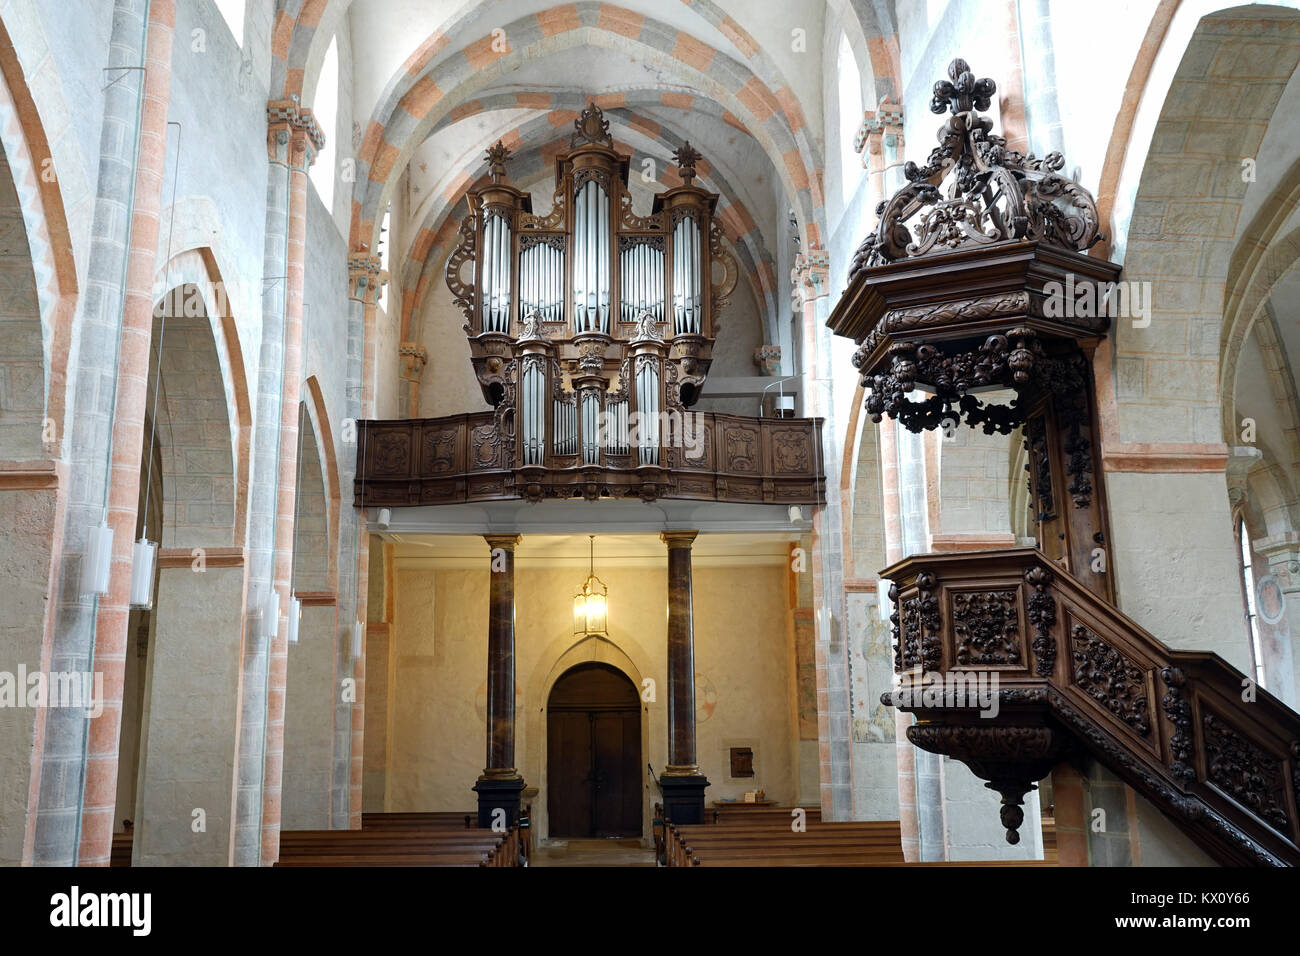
{"x": 532, "y": 415}
{"x": 647, "y": 403}
{"x": 590, "y": 428}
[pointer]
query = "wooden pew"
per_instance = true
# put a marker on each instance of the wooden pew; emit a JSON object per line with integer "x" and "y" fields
{"x": 443, "y": 820}
{"x": 771, "y": 842}
{"x": 121, "y": 852}
{"x": 390, "y": 843}
{"x": 774, "y": 843}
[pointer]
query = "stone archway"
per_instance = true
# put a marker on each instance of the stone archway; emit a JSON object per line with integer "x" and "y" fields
{"x": 190, "y": 711}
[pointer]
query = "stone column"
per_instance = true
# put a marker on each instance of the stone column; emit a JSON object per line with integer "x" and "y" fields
{"x": 500, "y": 785}
{"x": 78, "y": 757}
{"x": 365, "y": 279}
{"x": 293, "y": 139}
{"x": 413, "y": 358}
{"x": 288, "y": 124}
{"x": 682, "y": 782}
{"x": 810, "y": 279}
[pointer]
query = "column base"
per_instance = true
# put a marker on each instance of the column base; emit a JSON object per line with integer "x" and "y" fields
{"x": 684, "y": 797}
{"x": 498, "y": 792}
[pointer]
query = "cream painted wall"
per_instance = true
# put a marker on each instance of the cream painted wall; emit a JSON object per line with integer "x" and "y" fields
{"x": 440, "y": 646}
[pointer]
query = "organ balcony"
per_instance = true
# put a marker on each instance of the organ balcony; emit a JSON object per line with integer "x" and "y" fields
{"x": 591, "y": 331}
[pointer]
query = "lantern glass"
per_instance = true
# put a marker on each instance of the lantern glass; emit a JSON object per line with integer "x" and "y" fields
{"x": 590, "y": 608}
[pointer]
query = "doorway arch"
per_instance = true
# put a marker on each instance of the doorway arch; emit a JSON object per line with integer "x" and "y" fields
{"x": 593, "y": 754}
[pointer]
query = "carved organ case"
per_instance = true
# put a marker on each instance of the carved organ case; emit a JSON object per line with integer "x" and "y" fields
{"x": 591, "y": 328}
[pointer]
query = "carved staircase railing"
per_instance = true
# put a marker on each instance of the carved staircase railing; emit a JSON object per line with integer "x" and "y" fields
{"x": 1074, "y": 674}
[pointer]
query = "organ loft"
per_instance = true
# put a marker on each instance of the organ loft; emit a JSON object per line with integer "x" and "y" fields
{"x": 591, "y": 330}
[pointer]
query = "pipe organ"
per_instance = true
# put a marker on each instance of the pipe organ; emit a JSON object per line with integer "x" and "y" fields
{"x": 591, "y": 330}
{"x": 589, "y": 324}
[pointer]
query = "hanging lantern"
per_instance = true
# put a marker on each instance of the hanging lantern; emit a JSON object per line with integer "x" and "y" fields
{"x": 143, "y": 554}
{"x": 295, "y": 616}
{"x": 271, "y": 615}
{"x": 590, "y": 605}
{"x": 98, "y": 561}
{"x": 358, "y": 635}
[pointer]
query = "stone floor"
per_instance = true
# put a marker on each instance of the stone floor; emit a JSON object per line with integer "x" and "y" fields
{"x": 595, "y": 852}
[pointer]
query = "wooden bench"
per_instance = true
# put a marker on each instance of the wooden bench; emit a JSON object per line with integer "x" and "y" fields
{"x": 753, "y": 840}
{"x": 392, "y": 843}
{"x": 448, "y": 820}
{"x": 774, "y": 842}
{"x": 122, "y": 846}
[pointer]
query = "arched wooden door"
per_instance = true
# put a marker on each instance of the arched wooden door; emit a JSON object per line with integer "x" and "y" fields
{"x": 593, "y": 754}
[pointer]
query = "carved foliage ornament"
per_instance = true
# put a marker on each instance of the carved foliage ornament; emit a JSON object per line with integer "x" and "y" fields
{"x": 591, "y": 127}
{"x": 1110, "y": 678}
{"x": 1235, "y": 765}
{"x": 920, "y": 623}
{"x": 1014, "y": 360}
{"x": 986, "y": 627}
{"x": 1041, "y": 610}
{"x": 976, "y": 191}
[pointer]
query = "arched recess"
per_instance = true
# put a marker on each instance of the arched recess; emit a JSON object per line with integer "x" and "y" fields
{"x": 37, "y": 194}
{"x": 189, "y": 718}
{"x": 309, "y": 698}
{"x": 37, "y": 297}
{"x": 323, "y": 436}
{"x": 1171, "y": 34}
{"x": 22, "y": 349}
{"x": 563, "y": 654}
{"x": 204, "y": 293}
{"x": 1262, "y": 261}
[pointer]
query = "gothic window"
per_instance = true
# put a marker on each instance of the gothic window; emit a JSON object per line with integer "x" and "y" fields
{"x": 850, "y": 100}
{"x": 385, "y": 239}
{"x": 325, "y": 109}
{"x": 232, "y": 11}
{"x": 1248, "y": 586}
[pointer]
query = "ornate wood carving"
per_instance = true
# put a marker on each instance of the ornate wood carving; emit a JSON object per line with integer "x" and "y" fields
{"x": 1041, "y": 611}
{"x": 1179, "y": 713}
{"x": 425, "y": 461}
{"x": 1244, "y": 771}
{"x": 1110, "y": 678}
{"x": 986, "y": 626}
{"x": 994, "y": 193}
{"x": 921, "y": 621}
{"x": 462, "y": 292}
{"x": 1224, "y": 776}
{"x": 1039, "y": 467}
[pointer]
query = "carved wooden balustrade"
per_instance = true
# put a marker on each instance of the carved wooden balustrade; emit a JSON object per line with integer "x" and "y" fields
{"x": 1074, "y": 675}
{"x": 734, "y": 458}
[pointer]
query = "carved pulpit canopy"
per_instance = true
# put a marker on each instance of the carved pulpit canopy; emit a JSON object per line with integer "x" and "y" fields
{"x": 968, "y": 281}
{"x": 993, "y": 193}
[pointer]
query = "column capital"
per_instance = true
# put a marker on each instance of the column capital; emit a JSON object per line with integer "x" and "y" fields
{"x": 366, "y": 277}
{"x": 504, "y": 541}
{"x": 810, "y": 277}
{"x": 414, "y": 358}
{"x": 295, "y": 126}
{"x": 768, "y": 359}
{"x": 678, "y": 539}
{"x": 884, "y": 120}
